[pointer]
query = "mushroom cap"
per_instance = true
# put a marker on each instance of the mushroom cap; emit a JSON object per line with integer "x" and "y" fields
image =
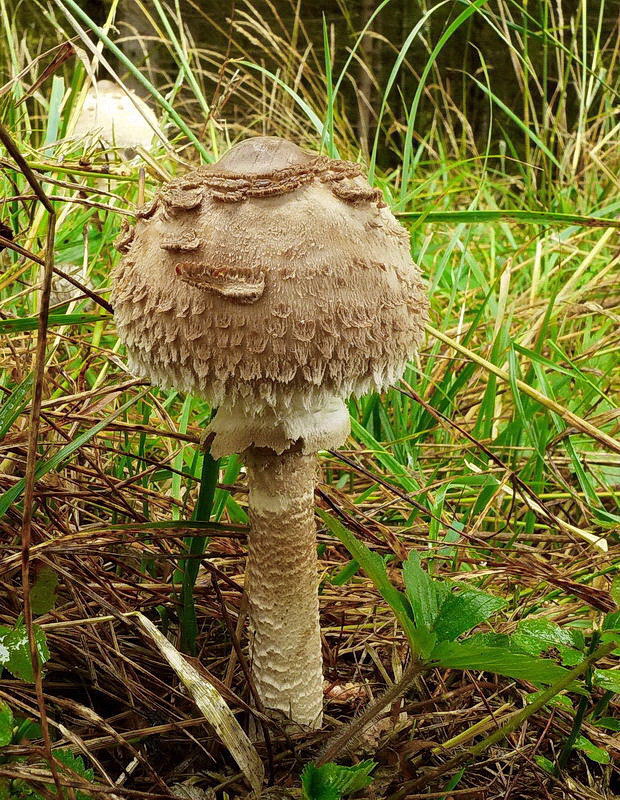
{"x": 109, "y": 115}
{"x": 275, "y": 283}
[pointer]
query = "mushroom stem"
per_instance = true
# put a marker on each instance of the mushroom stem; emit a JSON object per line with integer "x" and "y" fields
{"x": 281, "y": 583}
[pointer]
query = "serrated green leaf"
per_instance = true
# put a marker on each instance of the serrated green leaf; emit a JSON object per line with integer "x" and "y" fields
{"x": 608, "y": 679}
{"x": 68, "y": 763}
{"x": 492, "y": 640}
{"x": 424, "y": 594}
{"x": 424, "y": 641}
{"x": 611, "y": 636}
{"x": 331, "y": 781}
{"x": 436, "y": 608}
{"x": 536, "y": 636}
{"x": 314, "y": 787}
{"x": 611, "y": 622}
{"x": 43, "y": 590}
{"x": 569, "y": 656}
{"x": 15, "y": 652}
{"x": 470, "y": 655}
{"x": 74, "y": 762}
{"x": 463, "y": 610}
{"x": 6, "y": 724}
{"x": 591, "y": 750}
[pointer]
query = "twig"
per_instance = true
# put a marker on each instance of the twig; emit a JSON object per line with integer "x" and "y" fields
{"x": 353, "y": 729}
{"x": 33, "y": 436}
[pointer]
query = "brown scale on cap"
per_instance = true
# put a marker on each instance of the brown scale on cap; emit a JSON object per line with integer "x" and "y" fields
{"x": 275, "y": 283}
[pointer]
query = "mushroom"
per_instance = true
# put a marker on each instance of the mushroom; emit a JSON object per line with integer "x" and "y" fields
{"x": 274, "y": 283}
{"x": 111, "y": 116}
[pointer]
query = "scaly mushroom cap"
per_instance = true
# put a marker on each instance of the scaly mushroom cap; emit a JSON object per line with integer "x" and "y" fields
{"x": 274, "y": 283}
{"x": 111, "y": 116}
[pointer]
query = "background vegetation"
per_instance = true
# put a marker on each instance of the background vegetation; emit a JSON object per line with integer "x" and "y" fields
{"x": 492, "y": 129}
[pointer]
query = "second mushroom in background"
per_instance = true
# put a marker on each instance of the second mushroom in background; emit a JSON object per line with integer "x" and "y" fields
{"x": 117, "y": 118}
{"x": 275, "y": 284}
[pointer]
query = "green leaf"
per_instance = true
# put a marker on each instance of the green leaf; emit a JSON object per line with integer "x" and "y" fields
{"x": 424, "y": 642}
{"x": 424, "y": 594}
{"x": 436, "y": 608}
{"x": 471, "y": 655}
{"x": 611, "y": 636}
{"x": 43, "y": 590}
{"x": 569, "y": 657}
{"x": 27, "y": 729}
{"x": 331, "y": 781}
{"x": 611, "y": 622}
{"x": 609, "y": 723}
{"x": 69, "y": 764}
{"x": 197, "y": 547}
{"x": 615, "y": 590}
{"x": 15, "y": 653}
{"x": 345, "y": 574}
{"x": 6, "y": 724}
{"x": 23, "y": 324}
{"x": 593, "y": 752}
{"x": 373, "y": 566}
{"x": 559, "y": 701}
{"x": 501, "y": 640}
{"x": 454, "y": 781}
{"x": 463, "y": 610}
{"x": 608, "y": 679}
{"x": 75, "y": 763}
{"x": 535, "y": 636}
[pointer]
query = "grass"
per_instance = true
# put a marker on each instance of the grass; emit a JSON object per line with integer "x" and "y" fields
{"x": 496, "y": 458}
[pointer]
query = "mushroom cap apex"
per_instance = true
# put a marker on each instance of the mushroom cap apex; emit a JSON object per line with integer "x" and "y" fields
{"x": 261, "y": 155}
{"x": 107, "y": 86}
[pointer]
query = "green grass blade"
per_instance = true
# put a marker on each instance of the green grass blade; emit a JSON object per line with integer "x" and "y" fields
{"x": 196, "y": 547}
{"x": 512, "y": 215}
{"x": 23, "y": 324}
{"x": 407, "y": 147}
{"x": 518, "y": 122}
{"x": 312, "y": 115}
{"x": 14, "y": 405}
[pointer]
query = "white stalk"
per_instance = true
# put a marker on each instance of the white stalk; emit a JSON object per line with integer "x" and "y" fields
{"x": 282, "y": 583}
